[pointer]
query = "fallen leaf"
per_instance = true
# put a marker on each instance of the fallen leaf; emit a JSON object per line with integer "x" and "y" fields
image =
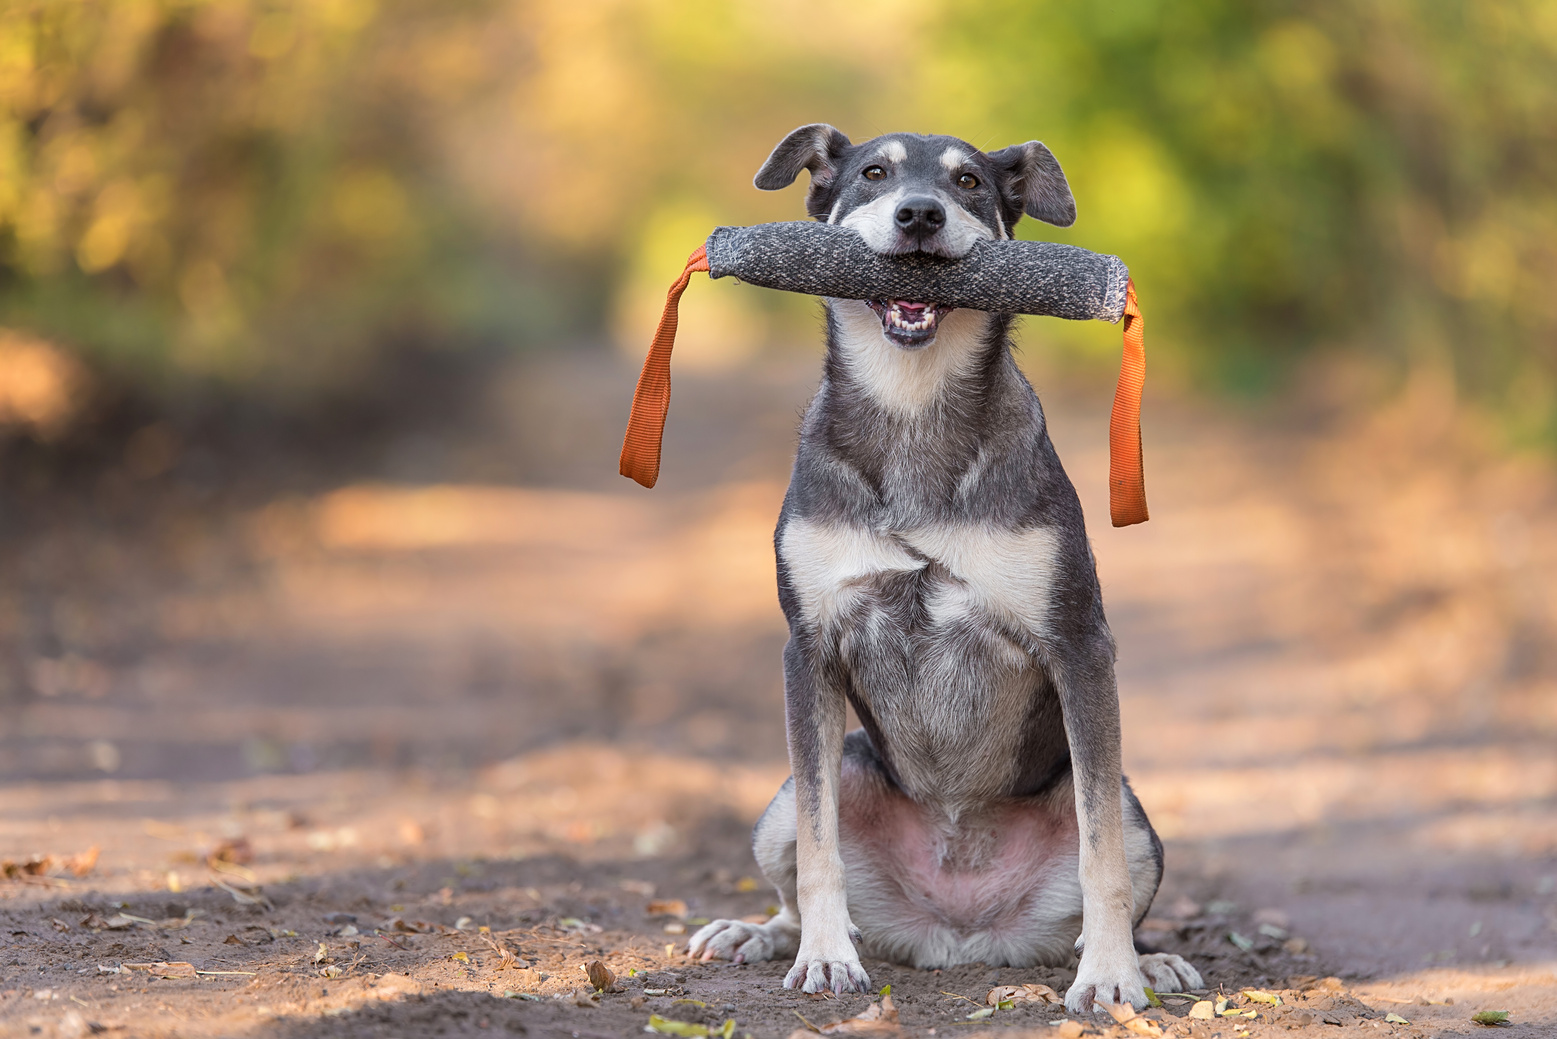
{"x": 58, "y": 924}
{"x": 1151, "y": 997}
{"x": 1261, "y": 996}
{"x": 667, "y": 907}
{"x": 689, "y": 1029}
{"x": 980, "y": 1014}
{"x": 585, "y": 997}
{"x": 236, "y": 851}
{"x": 246, "y": 895}
{"x": 233, "y": 939}
{"x": 1016, "y": 995}
{"x": 600, "y": 976}
{"x": 1120, "y": 1012}
{"x": 332, "y": 971}
{"x": 1069, "y": 1029}
{"x": 461, "y": 957}
{"x": 162, "y": 969}
{"x": 1239, "y": 940}
{"x": 414, "y": 927}
{"x": 81, "y": 864}
{"x": 1203, "y": 1010}
{"x": 675, "y": 927}
{"x": 322, "y": 954}
{"x": 877, "y": 1019}
{"x": 1296, "y": 946}
{"x": 122, "y": 922}
{"x": 1490, "y": 1017}
{"x": 1396, "y": 1019}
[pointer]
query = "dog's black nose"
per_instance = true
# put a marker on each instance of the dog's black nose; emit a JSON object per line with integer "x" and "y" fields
{"x": 920, "y": 217}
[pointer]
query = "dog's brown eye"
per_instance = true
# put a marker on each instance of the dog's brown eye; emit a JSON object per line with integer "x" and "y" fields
{"x": 874, "y": 173}
{"x": 968, "y": 181}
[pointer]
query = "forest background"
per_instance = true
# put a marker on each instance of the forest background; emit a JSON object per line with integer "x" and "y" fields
{"x": 204, "y": 201}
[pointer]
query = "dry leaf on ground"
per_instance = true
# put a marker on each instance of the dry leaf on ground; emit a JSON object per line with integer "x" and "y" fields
{"x": 162, "y": 969}
{"x": 600, "y": 976}
{"x": 667, "y": 907}
{"x": 1016, "y": 995}
{"x": 81, "y": 864}
{"x": 878, "y": 1019}
{"x": 1125, "y": 1014}
{"x": 689, "y": 1029}
{"x": 237, "y": 851}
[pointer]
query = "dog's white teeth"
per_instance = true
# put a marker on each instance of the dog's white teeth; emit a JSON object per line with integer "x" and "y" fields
{"x": 895, "y": 317}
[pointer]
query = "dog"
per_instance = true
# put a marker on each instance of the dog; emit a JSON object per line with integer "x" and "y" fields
{"x": 934, "y": 568}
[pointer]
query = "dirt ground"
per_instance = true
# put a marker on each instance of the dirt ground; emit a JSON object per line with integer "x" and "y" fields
{"x": 396, "y": 747}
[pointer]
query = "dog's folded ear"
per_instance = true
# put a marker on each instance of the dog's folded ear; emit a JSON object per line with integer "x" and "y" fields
{"x": 816, "y": 147}
{"x": 1033, "y": 183}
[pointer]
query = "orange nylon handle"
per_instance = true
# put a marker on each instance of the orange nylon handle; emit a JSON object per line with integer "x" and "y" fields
{"x": 651, "y": 401}
{"x": 1126, "y": 481}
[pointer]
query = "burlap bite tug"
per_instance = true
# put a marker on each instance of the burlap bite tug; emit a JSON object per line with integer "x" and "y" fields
{"x": 999, "y": 277}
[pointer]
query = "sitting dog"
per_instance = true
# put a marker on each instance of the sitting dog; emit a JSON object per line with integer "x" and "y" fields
{"x": 934, "y": 568}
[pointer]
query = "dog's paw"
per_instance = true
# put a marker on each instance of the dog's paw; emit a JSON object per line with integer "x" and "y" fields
{"x": 736, "y": 941}
{"x": 1167, "y": 972}
{"x": 1098, "y": 983}
{"x": 823, "y": 969}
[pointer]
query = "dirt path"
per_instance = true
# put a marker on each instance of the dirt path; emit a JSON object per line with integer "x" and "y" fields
{"x": 324, "y": 733}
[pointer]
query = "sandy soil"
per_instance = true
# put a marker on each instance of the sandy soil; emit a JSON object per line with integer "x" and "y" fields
{"x": 395, "y": 749}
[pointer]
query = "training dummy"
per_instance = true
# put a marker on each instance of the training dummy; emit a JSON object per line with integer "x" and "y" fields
{"x": 1018, "y": 277}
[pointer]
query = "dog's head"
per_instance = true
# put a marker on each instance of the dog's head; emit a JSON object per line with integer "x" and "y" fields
{"x": 907, "y": 193}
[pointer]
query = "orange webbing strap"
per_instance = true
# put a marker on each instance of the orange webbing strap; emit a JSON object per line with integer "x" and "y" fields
{"x": 651, "y": 402}
{"x": 1126, "y": 482}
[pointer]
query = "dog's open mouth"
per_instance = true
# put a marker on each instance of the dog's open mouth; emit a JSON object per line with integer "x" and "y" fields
{"x": 906, "y": 323}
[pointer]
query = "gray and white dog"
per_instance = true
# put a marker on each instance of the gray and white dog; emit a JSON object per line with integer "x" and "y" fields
{"x": 934, "y": 567}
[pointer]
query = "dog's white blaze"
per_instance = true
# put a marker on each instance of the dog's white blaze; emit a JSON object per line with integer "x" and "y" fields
{"x": 906, "y": 381}
{"x": 1006, "y": 573}
{"x": 876, "y": 221}
{"x": 953, "y": 158}
{"x": 893, "y": 151}
{"x": 963, "y": 230}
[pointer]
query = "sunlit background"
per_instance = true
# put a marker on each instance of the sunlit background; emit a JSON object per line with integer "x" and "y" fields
{"x": 268, "y": 196}
{"x": 319, "y": 320}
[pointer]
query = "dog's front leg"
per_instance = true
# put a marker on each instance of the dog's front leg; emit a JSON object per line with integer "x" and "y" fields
{"x": 814, "y": 711}
{"x": 1109, "y": 971}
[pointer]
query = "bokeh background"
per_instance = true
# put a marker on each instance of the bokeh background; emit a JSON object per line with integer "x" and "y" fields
{"x": 318, "y": 326}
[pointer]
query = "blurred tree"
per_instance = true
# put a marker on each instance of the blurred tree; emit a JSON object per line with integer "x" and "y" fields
{"x": 1283, "y": 175}
{"x": 246, "y": 190}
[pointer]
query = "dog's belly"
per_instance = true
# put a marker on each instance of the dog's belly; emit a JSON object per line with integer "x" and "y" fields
{"x": 999, "y": 886}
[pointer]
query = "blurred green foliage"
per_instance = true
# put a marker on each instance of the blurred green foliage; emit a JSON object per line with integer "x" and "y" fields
{"x": 270, "y": 192}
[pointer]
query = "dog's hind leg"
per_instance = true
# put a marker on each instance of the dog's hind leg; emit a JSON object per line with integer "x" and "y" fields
{"x": 773, "y": 842}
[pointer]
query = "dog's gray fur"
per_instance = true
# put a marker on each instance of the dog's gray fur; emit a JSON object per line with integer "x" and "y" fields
{"x": 934, "y": 567}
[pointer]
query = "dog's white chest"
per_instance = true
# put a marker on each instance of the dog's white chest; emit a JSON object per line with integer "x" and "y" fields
{"x": 835, "y": 568}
